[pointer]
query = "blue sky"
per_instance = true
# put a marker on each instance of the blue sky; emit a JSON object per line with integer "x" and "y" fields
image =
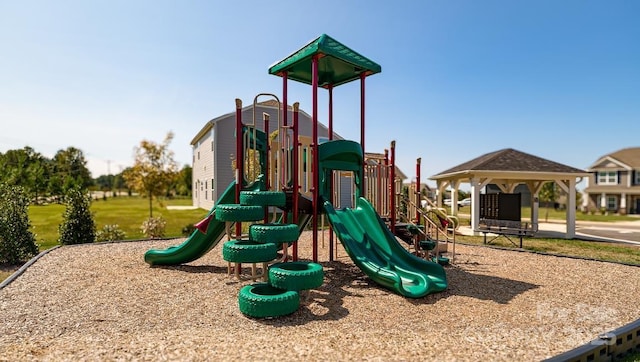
{"x": 557, "y": 79}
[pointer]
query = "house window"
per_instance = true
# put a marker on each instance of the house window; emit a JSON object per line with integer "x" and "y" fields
{"x": 636, "y": 181}
{"x": 608, "y": 177}
{"x": 612, "y": 203}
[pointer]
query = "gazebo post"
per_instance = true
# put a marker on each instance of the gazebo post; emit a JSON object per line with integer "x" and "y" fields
{"x": 476, "y": 186}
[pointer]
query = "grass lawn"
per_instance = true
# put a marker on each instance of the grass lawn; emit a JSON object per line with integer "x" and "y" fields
{"x": 127, "y": 212}
{"x": 5, "y": 271}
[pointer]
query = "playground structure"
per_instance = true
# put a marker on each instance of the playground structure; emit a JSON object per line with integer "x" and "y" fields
{"x": 284, "y": 181}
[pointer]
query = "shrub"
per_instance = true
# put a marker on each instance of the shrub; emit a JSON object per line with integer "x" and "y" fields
{"x": 77, "y": 225}
{"x": 153, "y": 227}
{"x": 188, "y": 230}
{"x": 110, "y": 233}
{"x": 17, "y": 242}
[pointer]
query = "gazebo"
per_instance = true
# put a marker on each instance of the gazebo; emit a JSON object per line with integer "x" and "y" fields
{"x": 508, "y": 168}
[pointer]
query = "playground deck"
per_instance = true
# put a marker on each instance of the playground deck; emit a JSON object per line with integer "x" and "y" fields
{"x": 102, "y": 301}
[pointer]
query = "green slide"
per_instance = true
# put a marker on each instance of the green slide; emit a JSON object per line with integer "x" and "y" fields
{"x": 375, "y": 250}
{"x": 198, "y": 243}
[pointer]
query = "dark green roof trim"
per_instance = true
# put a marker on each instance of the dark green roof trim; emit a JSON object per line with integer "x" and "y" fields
{"x": 337, "y": 64}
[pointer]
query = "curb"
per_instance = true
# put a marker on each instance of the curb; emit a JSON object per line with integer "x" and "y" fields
{"x": 19, "y": 272}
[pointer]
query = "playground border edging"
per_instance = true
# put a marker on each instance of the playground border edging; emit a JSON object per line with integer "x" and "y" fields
{"x": 609, "y": 346}
{"x": 32, "y": 261}
{"x": 24, "y": 267}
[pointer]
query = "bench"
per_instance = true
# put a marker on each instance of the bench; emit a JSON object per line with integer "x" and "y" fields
{"x": 506, "y": 228}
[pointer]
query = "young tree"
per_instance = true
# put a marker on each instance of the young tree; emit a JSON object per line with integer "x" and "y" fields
{"x": 77, "y": 225}
{"x": 548, "y": 194}
{"x": 153, "y": 171}
{"x": 17, "y": 242}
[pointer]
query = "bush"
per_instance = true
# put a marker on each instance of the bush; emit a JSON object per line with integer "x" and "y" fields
{"x": 188, "y": 229}
{"x": 77, "y": 225}
{"x": 153, "y": 227}
{"x": 17, "y": 242}
{"x": 110, "y": 233}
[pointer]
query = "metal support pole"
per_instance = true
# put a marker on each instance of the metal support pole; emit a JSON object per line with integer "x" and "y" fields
{"x": 418, "y": 196}
{"x": 362, "y": 133}
{"x": 331, "y": 241}
{"x": 392, "y": 183}
{"x": 296, "y": 176}
{"x": 239, "y": 159}
{"x": 316, "y": 177}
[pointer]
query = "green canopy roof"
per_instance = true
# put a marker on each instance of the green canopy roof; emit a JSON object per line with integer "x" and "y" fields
{"x": 337, "y": 64}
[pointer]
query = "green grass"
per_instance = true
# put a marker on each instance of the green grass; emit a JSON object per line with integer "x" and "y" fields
{"x": 5, "y": 272}
{"x": 127, "y": 212}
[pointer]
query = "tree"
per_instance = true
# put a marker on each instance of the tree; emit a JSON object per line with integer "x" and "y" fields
{"x": 78, "y": 226}
{"x": 27, "y": 168}
{"x": 17, "y": 242}
{"x": 548, "y": 194}
{"x": 184, "y": 181}
{"x": 71, "y": 166}
{"x": 153, "y": 171}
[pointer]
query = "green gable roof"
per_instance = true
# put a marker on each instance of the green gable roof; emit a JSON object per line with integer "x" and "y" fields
{"x": 337, "y": 65}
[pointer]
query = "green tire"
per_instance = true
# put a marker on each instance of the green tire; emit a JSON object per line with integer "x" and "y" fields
{"x": 247, "y": 251}
{"x": 296, "y": 275}
{"x": 235, "y": 212}
{"x": 274, "y": 233}
{"x": 262, "y": 300}
{"x": 427, "y": 244}
{"x": 263, "y": 198}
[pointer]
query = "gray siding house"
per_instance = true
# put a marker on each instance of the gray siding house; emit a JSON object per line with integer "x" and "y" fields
{"x": 614, "y": 183}
{"x": 214, "y": 147}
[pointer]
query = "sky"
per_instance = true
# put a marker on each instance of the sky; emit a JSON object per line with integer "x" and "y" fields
{"x": 556, "y": 79}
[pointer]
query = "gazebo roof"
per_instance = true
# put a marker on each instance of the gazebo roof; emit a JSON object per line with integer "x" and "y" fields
{"x": 338, "y": 64}
{"x": 508, "y": 160}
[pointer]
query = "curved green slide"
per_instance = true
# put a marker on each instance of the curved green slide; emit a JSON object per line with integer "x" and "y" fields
{"x": 198, "y": 243}
{"x": 375, "y": 250}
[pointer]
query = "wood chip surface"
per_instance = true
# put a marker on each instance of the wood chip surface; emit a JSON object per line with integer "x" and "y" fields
{"x": 103, "y": 302}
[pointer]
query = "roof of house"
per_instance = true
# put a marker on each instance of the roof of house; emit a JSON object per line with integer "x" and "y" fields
{"x": 629, "y": 157}
{"x": 271, "y": 103}
{"x": 511, "y": 160}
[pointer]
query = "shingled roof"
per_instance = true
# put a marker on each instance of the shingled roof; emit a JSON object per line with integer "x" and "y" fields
{"x": 628, "y": 156}
{"x": 510, "y": 160}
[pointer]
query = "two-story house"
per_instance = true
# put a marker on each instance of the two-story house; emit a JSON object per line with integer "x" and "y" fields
{"x": 214, "y": 147}
{"x": 614, "y": 184}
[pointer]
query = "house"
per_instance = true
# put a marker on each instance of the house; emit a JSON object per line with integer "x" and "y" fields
{"x": 214, "y": 148}
{"x": 614, "y": 183}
